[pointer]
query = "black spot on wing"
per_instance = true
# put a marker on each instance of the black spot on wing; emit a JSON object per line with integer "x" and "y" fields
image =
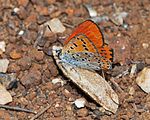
{"x": 75, "y": 45}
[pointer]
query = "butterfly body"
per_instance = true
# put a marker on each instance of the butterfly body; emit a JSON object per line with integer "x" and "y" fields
{"x": 85, "y": 48}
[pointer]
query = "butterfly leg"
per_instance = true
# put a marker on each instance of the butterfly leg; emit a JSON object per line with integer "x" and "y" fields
{"x": 103, "y": 75}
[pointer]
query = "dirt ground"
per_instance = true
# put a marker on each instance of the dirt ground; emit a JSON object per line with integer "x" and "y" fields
{"x": 35, "y": 68}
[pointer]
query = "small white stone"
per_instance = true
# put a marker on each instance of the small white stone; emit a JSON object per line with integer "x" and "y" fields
{"x": 133, "y": 70}
{"x": 56, "y": 25}
{"x": 58, "y": 80}
{"x": 145, "y": 45}
{"x": 3, "y": 65}
{"x": 16, "y": 10}
{"x": 123, "y": 14}
{"x": 91, "y": 10}
{"x": 119, "y": 34}
{"x": 131, "y": 90}
{"x": 118, "y": 17}
{"x": 2, "y": 46}
{"x": 80, "y": 103}
{"x": 125, "y": 25}
{"x": 143, "y": 79}
{"x": 21, "y": 32}
{"x": 57, "y": 105}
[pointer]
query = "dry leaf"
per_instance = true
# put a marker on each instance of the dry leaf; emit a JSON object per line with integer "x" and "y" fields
{"x": 143, "y": 79}
{"x": 90, "y": 82}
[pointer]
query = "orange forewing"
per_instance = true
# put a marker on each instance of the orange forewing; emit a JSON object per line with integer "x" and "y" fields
{"x": 91, "y": 30}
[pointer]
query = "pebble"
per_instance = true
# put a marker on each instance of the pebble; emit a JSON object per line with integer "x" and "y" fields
{"x": 4, "y": 65}
{"x": 58, "y": 80}
{"x": 33, "y": 78}
{"x": 56, "y": 25}
{"x": 80, "y": 103}
{"x": 41, "y": 19}
{"x": 32, "y": 95}
{"x": 5, "y": 96}
{"x": 147, "y": 103}
{"x": 29, "y": 36}
{"x": 24, "y": 63}
{"x": 5, "y": 115}
{"x": 15, "y": 55}
{"x": 24, "y": 101}
{"x": 69, "y": 11}
{"x": 13, "y": 68}
{"x": 131, "y": 90}
{"x": 8, "y": 80}
{"x": 42, "y": 10}
{"x": 50, "y": 1}
{"x": 147, "y": 60}
{"x": 16, "y": 10}
{"x": 53, "y": 69}
{"x": 118, "y": 17}
{"x": 99, "y": 19}
{"x": 21, "y": 32}
{"x": 83, "y": 112}
{"x": 143, "y": 79}
{"x": 145, "y": 45}
{"x": 47, "y": 86}
{"x": 38, "y": 55}
{"x": 144, "y": 116}
{"x": 51, "y": 37}
{"x": 31, "y": 19}
{"x": 23, "y": 2}
{"x": 67, "y": 93}
{"x": 91, "y": 10}
{"x": 2, "y": 47}
{"x": 133, "y": 70}
{"x": 125, "y": 25}
{"x": 22, "y": 13}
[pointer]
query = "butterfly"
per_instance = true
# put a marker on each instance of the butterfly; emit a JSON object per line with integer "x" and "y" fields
{"x": 85, "y": 48}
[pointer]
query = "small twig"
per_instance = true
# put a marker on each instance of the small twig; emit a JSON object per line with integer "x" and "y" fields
{"x": 41, "y": 112}
{"x": 126, "y": 72}
{"x": 67, "y": 25}
{"x": 17, "y": 109}
{"x": 40, "y": 35}
{"x": 116, "y": 85}
{"x": 103, "y": 75}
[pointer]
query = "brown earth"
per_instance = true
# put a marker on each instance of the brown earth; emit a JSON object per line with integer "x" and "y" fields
{"x": 35, "y": 68}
